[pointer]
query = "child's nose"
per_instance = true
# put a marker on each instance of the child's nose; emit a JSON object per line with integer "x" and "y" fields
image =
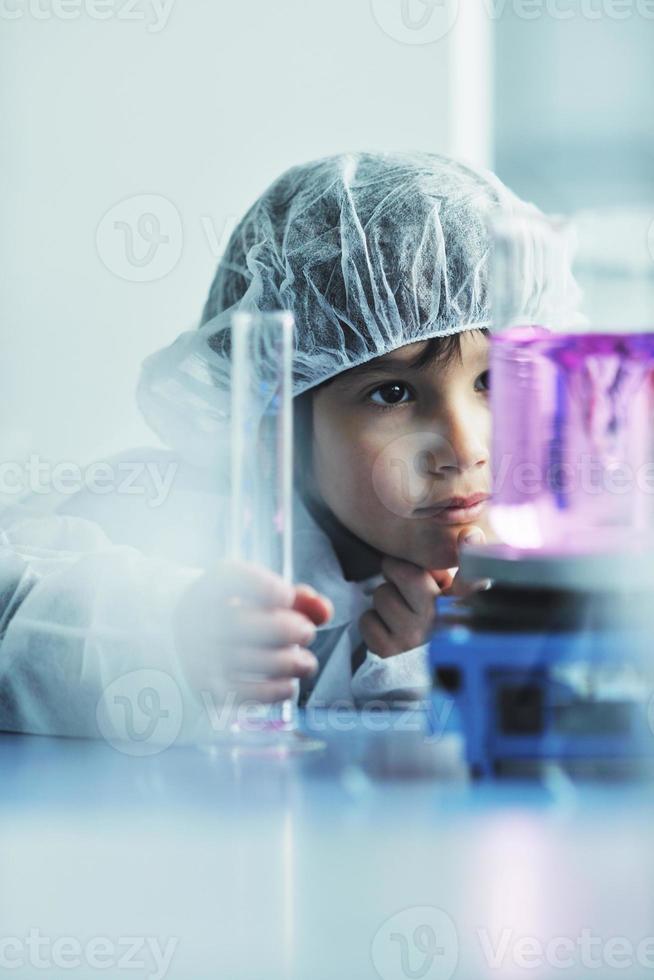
{"x": 464, "y": 447}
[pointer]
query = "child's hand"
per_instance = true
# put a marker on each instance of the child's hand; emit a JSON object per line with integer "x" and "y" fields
{"x": 404, "y": 613}
{"x": 241, "y": 629}
{"x": 403, "y": 610}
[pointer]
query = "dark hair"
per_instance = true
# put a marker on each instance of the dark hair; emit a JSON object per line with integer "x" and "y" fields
{"x": 439, "y": 350}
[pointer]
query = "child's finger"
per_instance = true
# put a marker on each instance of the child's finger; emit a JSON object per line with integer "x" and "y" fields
{"x": 376, "y": 636}
{"x": 471, "y": 535}
{"x": 443, "y": 577}
{"x": 275, "y": 628}
{"x": 462, "y": 588}
{"x": 392, "y": 608}
{"x": 318, "y": 608}
{"x": 417, "y": 586}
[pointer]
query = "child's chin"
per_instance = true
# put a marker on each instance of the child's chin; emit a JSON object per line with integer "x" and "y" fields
{"x": 432, "y": 548}
{"x": 444, "y": 555}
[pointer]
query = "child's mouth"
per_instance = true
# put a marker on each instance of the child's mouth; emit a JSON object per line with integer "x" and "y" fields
{"x": 460, "y": 512}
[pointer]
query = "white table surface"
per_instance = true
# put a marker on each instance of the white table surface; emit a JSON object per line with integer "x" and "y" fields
{"x": 330, "y": 864}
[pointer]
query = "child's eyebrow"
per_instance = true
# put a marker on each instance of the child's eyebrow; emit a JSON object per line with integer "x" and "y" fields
{"x": 393, "y": 365}
{"x": 480, "y": 357}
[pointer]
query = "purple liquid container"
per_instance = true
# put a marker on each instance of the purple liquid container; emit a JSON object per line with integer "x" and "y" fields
{"x": 572, "y": 440}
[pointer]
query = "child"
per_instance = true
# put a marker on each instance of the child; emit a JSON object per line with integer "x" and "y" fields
{"x": 383, "y": 261}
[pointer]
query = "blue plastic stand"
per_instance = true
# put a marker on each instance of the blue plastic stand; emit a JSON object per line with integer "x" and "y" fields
{"x": 487, "y": 672}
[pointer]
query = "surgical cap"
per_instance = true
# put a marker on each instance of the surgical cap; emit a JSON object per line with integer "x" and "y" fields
{"x": 370, "y": 252}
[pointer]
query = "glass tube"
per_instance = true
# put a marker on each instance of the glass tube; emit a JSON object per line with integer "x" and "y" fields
{"x": 262, "y": 454}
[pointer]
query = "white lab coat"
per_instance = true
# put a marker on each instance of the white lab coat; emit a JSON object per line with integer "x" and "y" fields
{"x": 88, "y": 591}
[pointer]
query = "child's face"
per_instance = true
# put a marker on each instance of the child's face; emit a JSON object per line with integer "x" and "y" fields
{"x": 393, "y": 441}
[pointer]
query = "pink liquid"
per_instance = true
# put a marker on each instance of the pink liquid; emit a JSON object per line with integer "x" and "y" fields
{"x": 572, "y": 440}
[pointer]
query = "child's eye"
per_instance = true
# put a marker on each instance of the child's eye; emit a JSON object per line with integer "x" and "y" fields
{"x": 483, "y": 382}
{"x": 393, "y": 393}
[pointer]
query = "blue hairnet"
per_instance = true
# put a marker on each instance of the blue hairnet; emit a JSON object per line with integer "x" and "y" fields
{"x": 368, "y": 251}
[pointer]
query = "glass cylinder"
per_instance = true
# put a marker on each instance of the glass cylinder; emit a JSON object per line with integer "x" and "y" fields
{"x": 572, "y": 384}
{"x": 262, "y": 450}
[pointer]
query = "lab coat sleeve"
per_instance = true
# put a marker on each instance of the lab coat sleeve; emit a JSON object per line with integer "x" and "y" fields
{"x": 81, "y": 618}
{"x": 404, "y": 677}
{"x": 334, "y": 685}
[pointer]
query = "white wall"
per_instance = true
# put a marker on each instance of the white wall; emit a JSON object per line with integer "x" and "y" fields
{"x": 574, "y": 103}
{"x": 203, "y": 109}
